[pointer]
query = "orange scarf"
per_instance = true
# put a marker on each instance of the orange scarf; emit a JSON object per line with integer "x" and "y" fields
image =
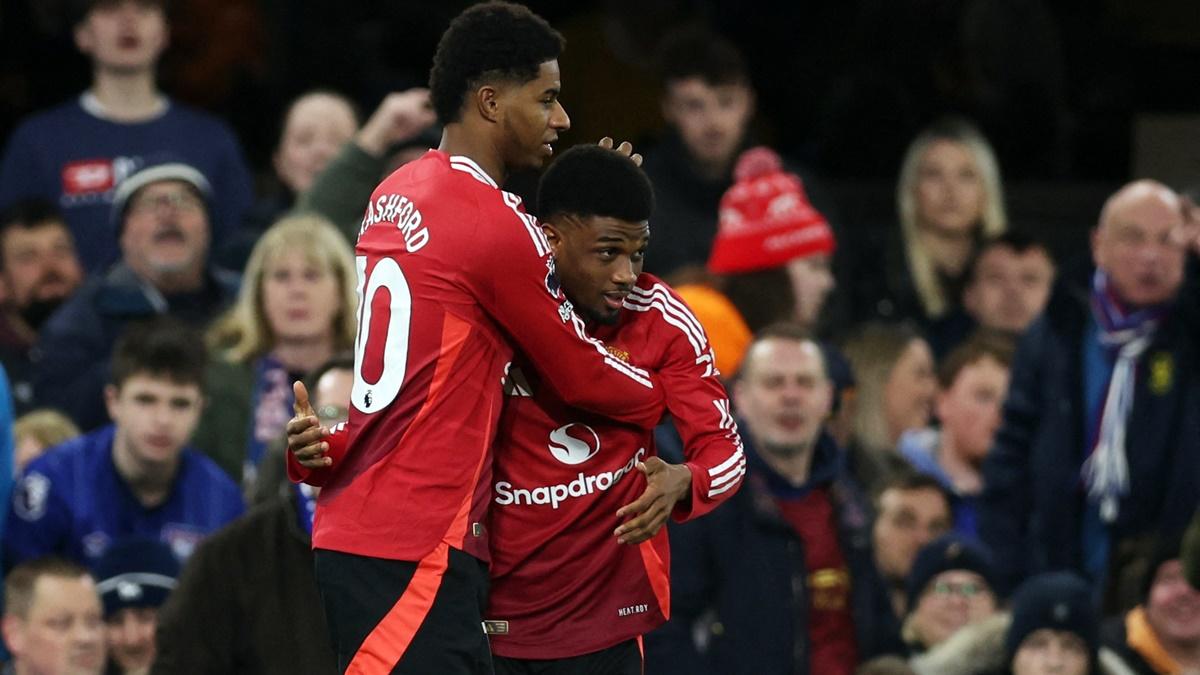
{"x": 1141, "y": 638}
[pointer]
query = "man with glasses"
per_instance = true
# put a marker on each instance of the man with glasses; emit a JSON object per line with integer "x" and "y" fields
{"x": 161, "y": 216}
{"x": 781, "y": 578}
{"x": 949, "y": 588}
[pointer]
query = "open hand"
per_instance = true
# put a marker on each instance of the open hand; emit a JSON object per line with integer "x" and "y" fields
{"x": 398, "y": 118}
{"x": 625, "y": 148}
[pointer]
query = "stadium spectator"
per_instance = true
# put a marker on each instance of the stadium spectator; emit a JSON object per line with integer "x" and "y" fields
{"x": 135, "y": 577}
{"x": 895, "y": 386}
{"x": 1099, "y": 434}
{"x": 77, "y": 153}
{"x": 36, "y": 431}
{"x": 781, "y": 578}
{"x": 949, "y": 587}
{"x": 911, "y": 510}
{"x": 134, "y": 477}
{"x": 52, "y": 619}
{"x": 315, "y": 127}
{"x": 164, "y": 240}
{"x": 251, "y": 585}
{"x": 949, "y": 198}
{"x": 1162, "y": 633}
{"x": 708, "y": 102}
{"x": 1055, "y": 629}
{"x": 401, "y": 129}
{"x": 294, "y": 311}
{"x": 40, "y": 270}
{"x": 972, "y": 381}
{"x": 771, "y": 252}
{"x": 1007, "y": 285}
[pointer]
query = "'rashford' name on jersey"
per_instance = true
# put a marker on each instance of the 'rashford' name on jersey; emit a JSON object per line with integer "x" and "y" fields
{"x": 452, "y": 278}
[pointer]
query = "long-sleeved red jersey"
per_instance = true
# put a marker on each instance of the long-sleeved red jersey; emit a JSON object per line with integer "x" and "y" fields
{"x": 452, "y": 274}
{"x": 561, "y": 584}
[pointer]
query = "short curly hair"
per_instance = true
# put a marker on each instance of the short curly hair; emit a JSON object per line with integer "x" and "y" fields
{"x": 589, "y": 180}
{"x": 490, "y": 41}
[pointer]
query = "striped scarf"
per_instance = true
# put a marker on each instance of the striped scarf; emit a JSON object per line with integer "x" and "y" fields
{"x": 1129, "y": 333}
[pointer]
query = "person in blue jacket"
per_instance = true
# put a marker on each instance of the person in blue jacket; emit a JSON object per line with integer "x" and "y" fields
{"x": 135, "y": 477}
{"x": 76, "y": 153}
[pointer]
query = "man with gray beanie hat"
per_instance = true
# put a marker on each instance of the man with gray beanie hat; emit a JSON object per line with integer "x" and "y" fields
{"x": 162, "y": 221}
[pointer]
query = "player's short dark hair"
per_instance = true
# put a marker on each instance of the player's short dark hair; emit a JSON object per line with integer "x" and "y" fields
{"x": 1018, "y": 242}
{"x": 493, "y": 41}
{"x": 20, "y": 582}
{"x": 589, "y": 180}
{"x": 695, "y": 51}
{"x": 162, "y": 347}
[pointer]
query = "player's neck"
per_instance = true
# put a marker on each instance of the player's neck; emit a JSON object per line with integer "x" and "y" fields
{"x": 149, "y": 482}
{"x": 460, "y": 138}
{"x": 127, "y": 97}
{"x": 303, "y": 355}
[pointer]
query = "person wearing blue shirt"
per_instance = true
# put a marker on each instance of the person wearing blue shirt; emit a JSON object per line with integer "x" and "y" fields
{"x": 135, "y": 477}
{"x": 75, "y": 154}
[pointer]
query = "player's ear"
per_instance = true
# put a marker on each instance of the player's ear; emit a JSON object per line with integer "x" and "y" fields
{"x": 553, "y": 236}
{"x": 487, "y": 101}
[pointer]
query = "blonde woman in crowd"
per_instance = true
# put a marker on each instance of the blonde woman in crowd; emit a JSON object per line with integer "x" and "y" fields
{"x": 949, "y": 198}
{"x": 895, "y": 387}
{"x": 294, "y": 311}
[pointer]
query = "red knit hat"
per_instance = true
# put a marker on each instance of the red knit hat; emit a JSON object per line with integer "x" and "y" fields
{"x": 765, "y": 219}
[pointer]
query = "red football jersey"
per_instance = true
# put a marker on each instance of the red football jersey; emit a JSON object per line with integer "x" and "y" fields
{"x": 452, "y": 273}
{"x": 561, "y": 584}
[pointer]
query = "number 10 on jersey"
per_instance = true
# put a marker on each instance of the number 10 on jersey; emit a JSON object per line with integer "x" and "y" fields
{"x": 381, "y": 345}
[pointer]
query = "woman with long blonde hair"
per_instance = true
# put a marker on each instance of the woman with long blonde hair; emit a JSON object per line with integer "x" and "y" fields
{"x": 296, "y": 308}
{"x": 949, "y": 199}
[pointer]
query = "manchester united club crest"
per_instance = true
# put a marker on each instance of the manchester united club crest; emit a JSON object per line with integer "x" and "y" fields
{"x": 618, "y": 353}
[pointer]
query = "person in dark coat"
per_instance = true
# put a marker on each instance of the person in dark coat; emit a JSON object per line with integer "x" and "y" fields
{"x": 1100, "y": 443}
{"x": 780, "y": 579}
{"x": 164, "y": 238}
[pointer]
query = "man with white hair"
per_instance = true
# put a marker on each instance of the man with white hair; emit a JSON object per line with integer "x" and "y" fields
{"x": 1100, "y": 439}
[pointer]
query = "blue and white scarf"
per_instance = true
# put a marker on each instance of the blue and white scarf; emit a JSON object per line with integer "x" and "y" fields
{"x": 1128, "y": 333}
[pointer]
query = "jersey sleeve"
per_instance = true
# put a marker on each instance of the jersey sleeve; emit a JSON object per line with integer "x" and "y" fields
{"x": 319, "y": 477}
{"x": 38, "y": 522}
{"x": 517, "y": 285}
{"x": 698, "y": 404}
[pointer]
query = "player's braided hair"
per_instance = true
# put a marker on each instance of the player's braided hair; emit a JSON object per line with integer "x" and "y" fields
{"x": 588, "y": 180}
{"x": 493, "y": 41}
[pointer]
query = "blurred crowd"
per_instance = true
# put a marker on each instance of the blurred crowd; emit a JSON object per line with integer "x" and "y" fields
{"x": 969, "y": 452}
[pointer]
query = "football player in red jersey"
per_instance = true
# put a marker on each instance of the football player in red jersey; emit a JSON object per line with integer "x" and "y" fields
{"x": 579, "y": 559}
{"x": 453, "y": 278}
